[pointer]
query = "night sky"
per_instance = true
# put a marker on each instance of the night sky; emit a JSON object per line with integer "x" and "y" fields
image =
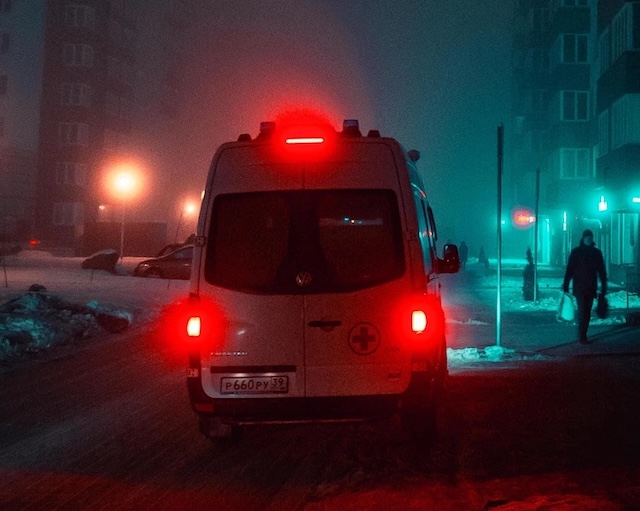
{"x": 433, "y": 74}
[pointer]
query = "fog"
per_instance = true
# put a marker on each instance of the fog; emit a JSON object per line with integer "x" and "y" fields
{"x": 433, "y": 74}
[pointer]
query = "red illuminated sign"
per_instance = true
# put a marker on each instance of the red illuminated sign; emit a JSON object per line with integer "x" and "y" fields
{"x": 523, "y": 217}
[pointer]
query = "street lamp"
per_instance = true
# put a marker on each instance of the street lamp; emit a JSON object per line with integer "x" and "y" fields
{"x": 188, "y": 208}
{"x": 124, "y": 184}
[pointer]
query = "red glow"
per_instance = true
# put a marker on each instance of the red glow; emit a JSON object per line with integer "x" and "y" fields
{"x": 34, "y": 243}
{"x": 303, "y": 117}
{"x": 421, "y": 320}
{"x": 190, "y": 324}
{"x": 305, "y": 140}
{"x": 523, "y": 217}
{"x": 418, "y": 321}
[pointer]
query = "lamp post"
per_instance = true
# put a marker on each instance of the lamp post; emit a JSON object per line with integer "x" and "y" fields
{"x": 187, "y": 208}
{"x": 124, "y": 184}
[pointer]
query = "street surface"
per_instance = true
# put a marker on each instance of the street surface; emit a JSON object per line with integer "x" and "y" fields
{"x": 107, "y": 425}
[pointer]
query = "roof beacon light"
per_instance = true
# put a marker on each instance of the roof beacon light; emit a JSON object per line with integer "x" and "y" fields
{"x": 267, "y": 128}
{"x": 351, "y": 127}
{"x": 305, "y": 140}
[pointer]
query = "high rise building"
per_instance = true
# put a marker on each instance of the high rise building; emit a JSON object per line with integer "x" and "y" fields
{"x": 101, "y": 89}
{"x": 618, "y": 134}
{"x": 576, "y": 117}
{"x": 553, "y": 102}
{"x": 21, "y": 62}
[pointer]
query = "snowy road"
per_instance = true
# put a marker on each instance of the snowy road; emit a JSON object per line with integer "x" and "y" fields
{"x": 109, "y": 427}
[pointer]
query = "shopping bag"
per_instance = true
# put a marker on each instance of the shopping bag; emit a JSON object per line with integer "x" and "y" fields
{"x": 602, "y": 308}
{"x": 566, "y": 308}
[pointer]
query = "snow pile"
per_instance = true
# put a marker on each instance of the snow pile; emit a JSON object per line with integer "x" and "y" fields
{"x": 489, "y": 354}
{"x": 35, "y": 321}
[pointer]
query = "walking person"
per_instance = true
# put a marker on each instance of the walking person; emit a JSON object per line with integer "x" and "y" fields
{"x": 584, "y": 266}
{"x": 464, "y": 253}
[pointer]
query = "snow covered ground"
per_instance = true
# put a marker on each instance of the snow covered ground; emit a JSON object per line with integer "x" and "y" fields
{"x": 77, "y": 297}
{"x": 77, "y": 303}
{"x": 484, "y": 284}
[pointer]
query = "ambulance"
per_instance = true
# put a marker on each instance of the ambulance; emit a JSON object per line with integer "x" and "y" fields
{"x": 314, "y": 293}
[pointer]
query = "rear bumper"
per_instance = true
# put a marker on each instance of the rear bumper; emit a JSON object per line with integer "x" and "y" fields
{"x": 421, "y": 393}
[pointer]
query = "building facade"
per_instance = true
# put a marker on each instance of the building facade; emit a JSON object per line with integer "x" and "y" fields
{"x": 576, "y": 117}
{"x": 92, "y": 84}
{"x": 87, "y": 103}
{"x": 553, "y": 104}
{"x": 618, "y": 133}
{"x": 21, "y": 62}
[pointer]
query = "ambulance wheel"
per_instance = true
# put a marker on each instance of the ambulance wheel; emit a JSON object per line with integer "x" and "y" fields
{"x": 420, "y": 423}
{"x": 216, "y": 430}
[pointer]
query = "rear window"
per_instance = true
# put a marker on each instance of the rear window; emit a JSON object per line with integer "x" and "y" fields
{"x": 308, "y": 241}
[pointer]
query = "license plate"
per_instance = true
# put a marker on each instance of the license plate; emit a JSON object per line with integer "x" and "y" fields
{"x": 255, "y": 385}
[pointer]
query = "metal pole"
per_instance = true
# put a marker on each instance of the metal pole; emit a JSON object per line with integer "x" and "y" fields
{"x": 535, "y": 240}
{"x": 175, "y": 239}
{"x": 499, "y": 266}
{"x": 124, "y": 202}
{"x": 4, "y": 265}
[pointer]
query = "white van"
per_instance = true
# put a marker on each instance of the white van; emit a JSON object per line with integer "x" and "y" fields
{"x": 314, "y": 291}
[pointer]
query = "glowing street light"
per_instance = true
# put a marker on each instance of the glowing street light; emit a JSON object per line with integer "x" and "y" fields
{"x": 123, "y": 185}
{"x": 188, "y": 208}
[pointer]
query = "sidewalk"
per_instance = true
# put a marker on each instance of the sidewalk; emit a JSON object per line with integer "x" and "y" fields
{"x": 470, "y": 300}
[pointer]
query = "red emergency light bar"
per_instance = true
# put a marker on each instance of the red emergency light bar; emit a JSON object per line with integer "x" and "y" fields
{"x": 305, "y": 140}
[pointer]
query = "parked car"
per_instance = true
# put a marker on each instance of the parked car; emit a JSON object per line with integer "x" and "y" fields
{"x": 175, "y": 246}
{"x": 167, "y": 249}
{"x": 175, "y": 265}
{"x": 102, "y": 260}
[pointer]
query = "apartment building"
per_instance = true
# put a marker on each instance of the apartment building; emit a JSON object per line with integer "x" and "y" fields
{"x": 617, "y": 146}
{"x": 84, "y": 86}
{"x": 21, "y": 62}
{"x": 576, "y": 117}
{"x": 553, "y": 104}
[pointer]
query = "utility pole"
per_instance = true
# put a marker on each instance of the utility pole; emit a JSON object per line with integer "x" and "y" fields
{"x": 535, "y": 239}
{"x": 499, "y": 266}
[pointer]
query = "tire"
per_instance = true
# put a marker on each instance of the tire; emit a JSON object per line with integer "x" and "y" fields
{"x": 216, "y": 430}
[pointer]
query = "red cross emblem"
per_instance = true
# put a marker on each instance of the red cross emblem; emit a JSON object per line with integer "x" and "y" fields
{"x": 364, "y": 339}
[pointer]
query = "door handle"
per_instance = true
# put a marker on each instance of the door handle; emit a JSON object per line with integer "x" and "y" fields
{"x": 325, "y": 324}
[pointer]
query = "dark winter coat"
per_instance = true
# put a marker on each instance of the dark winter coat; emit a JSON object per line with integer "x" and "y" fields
{"x": 584, "y": 266}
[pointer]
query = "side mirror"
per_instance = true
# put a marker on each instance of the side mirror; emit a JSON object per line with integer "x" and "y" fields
{"x": 450, "y": 262}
